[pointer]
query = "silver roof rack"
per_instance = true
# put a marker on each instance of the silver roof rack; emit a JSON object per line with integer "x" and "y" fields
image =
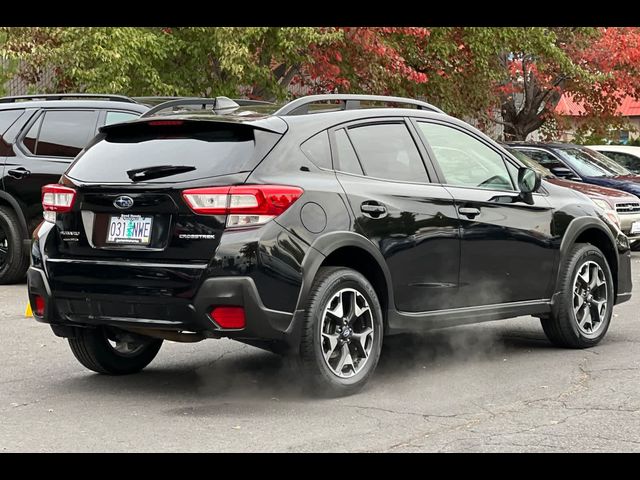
{"x": 300, "y": 106}
{"x": 67, "y": 96}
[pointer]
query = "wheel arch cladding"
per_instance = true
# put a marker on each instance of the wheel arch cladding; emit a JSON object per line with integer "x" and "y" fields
{"x": 595, "y": 232}
{"x": 349, "y": 250}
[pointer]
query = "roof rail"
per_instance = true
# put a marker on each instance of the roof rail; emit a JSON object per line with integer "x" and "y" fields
{"x": 67, "y": 96}
{"x": 300, "y": 106}
{"x": 152, "y": 101}
{"x": 219, "y": 103}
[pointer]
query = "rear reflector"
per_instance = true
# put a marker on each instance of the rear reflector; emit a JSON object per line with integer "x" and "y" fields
{"x": 244, "y": 205}
{"x": 39, "y": 310}
{"x": 228, "y": 317}
{"x": 57, "y": 198}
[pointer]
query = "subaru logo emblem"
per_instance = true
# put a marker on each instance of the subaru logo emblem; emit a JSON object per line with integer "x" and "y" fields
{"x": 123, "y": 202}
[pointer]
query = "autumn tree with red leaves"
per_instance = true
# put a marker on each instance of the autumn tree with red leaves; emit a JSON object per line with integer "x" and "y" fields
{"x": 471, "y": 71}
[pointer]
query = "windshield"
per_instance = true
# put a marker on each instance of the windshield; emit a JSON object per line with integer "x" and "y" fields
{"x": 531, "y": 163}
{"x": 589, "y": 163}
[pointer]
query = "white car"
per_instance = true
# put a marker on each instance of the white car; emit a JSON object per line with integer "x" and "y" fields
{"x": 626, "y": 155}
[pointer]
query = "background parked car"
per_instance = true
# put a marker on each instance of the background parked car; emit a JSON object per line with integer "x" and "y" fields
{"x": 575, "y": 162}
{"x": 626, "y": 155}
{"x": 39, "y": 137}
{"x": 619, "y": 206}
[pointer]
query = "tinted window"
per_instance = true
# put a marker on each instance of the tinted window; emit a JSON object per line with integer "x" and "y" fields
{"x": 347, "y": 159}
{"x": 65, "y": 133}
{"x": 388, "y": 151}
{"x": 7, "y": 117}
{"x": 466, "y": 161}
{"x": 317, "y": 150}
{"x": 205, "y": 149}
{"x": 31, "y": 137}
{"x": 61, "y": 133}
{"x": 117, "y": 117}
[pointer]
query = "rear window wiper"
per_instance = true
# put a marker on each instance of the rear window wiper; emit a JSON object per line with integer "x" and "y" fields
{"x": 158, "y": 171}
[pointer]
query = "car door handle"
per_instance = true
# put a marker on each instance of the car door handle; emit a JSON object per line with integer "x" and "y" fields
{"x": 469, "y": 211}
{"x": 373, "y": 209}
{"x": 19, "y": 173}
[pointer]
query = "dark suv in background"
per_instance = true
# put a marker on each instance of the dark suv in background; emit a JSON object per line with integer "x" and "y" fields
{"x": 39, "y": 137}
{"x": 313, "y": 233}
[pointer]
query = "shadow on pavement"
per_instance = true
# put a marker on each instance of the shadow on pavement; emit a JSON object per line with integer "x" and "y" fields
{"x": 251, "y": 374}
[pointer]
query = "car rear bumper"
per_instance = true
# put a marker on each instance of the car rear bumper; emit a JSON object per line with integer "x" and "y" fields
{"x": 66, "y": 310}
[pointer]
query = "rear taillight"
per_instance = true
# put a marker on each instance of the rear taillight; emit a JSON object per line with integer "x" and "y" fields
{"x": 56, "y": 198}
{"x": 244, "y": 205}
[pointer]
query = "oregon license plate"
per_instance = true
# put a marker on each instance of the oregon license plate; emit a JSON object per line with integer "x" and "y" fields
{"x": 129, "y": 229}
{"x": 635, "y": 227}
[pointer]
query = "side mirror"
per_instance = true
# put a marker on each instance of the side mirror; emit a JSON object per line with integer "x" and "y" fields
{"x": 564, "y": 172}
{"x": 528, "y": 180}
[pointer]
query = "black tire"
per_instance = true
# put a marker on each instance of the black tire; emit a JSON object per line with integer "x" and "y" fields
{"x": 561, "y": 326}
{"x": 322, "y": 379}
{"x": 14, "y": 258}
{"x": 93, "y": 350}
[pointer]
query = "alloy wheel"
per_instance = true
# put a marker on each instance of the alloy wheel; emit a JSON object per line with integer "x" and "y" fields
{"x": 590, "y": 294}
{"x": 347, "y": 333}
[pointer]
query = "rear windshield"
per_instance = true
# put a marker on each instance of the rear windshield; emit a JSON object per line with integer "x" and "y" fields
{"x": 172, "y": 153}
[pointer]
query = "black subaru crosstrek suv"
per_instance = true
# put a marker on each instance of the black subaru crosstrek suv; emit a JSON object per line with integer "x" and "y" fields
{"x": 312, "y": 232}
{"x": 39, "y": 137}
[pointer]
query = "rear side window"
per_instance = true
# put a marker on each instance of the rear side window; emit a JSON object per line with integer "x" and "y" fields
{"x": 62, "y": 133}
{"x": 388, "y": 151}
{"x": 317, "y": 150}
{"x": 117, "y": 117}
{"x": 347, "y": 159}
{"x": 7, "y": 118}
{"x": 31, "y": 138}
{"x": 199, "y": 149}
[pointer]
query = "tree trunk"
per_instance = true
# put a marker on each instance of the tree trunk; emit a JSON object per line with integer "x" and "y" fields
{"x": 520, "y": 122}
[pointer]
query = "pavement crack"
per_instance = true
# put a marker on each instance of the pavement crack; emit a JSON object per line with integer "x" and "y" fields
{"x": 426, "y": 416}
{"x": 221, "y": 356}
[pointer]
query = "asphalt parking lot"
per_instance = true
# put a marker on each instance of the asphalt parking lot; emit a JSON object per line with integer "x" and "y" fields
{"x": 492, "y": 387}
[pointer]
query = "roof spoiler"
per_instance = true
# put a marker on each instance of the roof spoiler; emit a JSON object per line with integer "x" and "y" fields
{"x": 220, "y": 105}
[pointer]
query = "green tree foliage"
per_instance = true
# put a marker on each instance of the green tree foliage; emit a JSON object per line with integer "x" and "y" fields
{"x": 165, "y": 61}
{"x": 519, "y": 72}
